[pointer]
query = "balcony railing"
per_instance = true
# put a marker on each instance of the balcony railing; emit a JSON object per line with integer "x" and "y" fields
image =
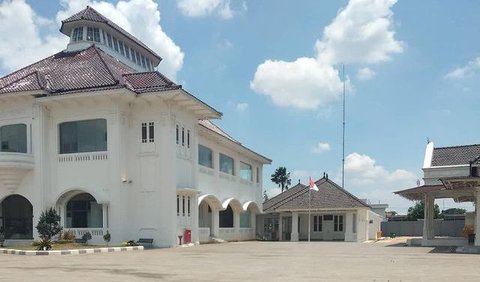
{"x": 83, "y": 157}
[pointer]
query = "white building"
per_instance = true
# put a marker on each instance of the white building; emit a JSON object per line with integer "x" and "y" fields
{"x": 113, "y": 145}
{"x": 335, "y": 215}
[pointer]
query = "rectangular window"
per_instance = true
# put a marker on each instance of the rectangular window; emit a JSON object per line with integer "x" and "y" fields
{"x": 148, "y": 131}
{"x": 151, "y": 132}
{"x": 127, "y": 51}
{"x": 144, "y": 132}
{"x": 13, "y": 138}
{"x": 226, "y": 164}
{"x": 183, "y": 136}
{"x": 258, "y": 175}
{"x": 96, "y": 34}
{"x": 115, "y": 44}
{"x": 188, "y": 205}
{"x": 143, "y": 61}
{"x": 315, "y": 224}
{"x": 177, "y": 134}
{"x": 90, "y": 33}
{"x": 246, "y": 171}
{"x": 205, "y": 156}
{"x": 354, "y": 223}
{"x": 83, "y": 136}
{"x": 178, "y": 205}
{"x": 104, "y": 39}
{"x": 338, "y": 223}
{"x": 137, "y": 55}
{"x": 183, "y": 205}
{"x": 109, "y": 40}
{"x": 77, "y": 34}
{"x": 188, "y": 138}
{"x": 122, "y": 51}
{"x": 328, "y": 217}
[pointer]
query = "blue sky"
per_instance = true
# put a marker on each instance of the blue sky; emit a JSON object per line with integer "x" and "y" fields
{"x": 271, "y": 67}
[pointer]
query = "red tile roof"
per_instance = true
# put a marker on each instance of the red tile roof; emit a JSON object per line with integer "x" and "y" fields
{"x": 328, "y": 196}
{"x": 91, "y": 69}
{"x": 90, "y": 14}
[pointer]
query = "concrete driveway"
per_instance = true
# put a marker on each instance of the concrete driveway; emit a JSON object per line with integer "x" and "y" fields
{"x": 252, "y": 261}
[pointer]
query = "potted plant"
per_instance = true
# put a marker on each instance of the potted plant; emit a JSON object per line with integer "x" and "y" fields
{"x": 469, "y": 232}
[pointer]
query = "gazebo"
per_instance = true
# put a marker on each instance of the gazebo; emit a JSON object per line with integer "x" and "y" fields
{"x": 449, "y": 172}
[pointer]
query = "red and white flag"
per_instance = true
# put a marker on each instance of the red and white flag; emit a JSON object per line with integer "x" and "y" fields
{"x": 312, "y": 185}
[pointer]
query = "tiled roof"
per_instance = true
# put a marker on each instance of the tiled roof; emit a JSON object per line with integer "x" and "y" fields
{"x": 329, "y": 196}
{"x": 270, "y": 204}
{"x": 91, "y": 68}
{"x": 90, "y": 14}
{"x": 457, "y": 155}
{"x": 214, "y": 128}
{"x": 210, "y": 125}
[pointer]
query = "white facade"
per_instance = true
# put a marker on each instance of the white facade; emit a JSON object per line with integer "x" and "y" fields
{"x": 144, "y": 182}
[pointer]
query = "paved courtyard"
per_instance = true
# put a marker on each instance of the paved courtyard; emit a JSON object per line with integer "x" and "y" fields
{"x": 252, "y": 261}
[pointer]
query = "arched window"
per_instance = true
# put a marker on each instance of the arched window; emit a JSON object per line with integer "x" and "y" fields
{"x": 83, "y": 211}
{"x": 226, "y": 218}
{"x": 13, "y": 138}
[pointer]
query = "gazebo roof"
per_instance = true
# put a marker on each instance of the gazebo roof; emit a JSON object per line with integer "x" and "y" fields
{"x": 460, "y": 193}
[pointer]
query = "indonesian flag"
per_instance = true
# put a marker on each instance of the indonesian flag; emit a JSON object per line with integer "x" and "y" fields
{"x": 312, "y": 185}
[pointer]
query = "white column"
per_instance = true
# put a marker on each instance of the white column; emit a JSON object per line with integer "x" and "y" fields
{"x": 215, "y": 223}
{"x": 477, "y": 219}
{"x": 195, "y": 211}
{"x": 428, "y": 232}
{"x": 294, "y": 234}
{"x": 349, "y": 227}
{"x": 280, "y": 227}
{"x": 253, "y": 224}
{"x": 105, "y": 216}
{"x": 236, "y": 224}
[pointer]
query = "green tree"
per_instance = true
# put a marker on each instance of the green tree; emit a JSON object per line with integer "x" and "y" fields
{"x": 418, "y": 211}
{"x": 282, "y": 178}
{"x": 48, "y": 226}
{"x": 454, "y": 211}
{"x": 265, "y": 196}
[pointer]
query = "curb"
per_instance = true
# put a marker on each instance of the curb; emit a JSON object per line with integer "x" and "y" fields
{"x": 71, "y": 252}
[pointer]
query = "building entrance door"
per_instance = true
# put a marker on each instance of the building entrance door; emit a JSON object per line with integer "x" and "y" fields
{"x": 327, "y": 227}
{"x": 286, "y": 228}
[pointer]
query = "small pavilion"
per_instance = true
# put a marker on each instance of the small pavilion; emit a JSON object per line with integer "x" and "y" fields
{"x": 449, "y": 172}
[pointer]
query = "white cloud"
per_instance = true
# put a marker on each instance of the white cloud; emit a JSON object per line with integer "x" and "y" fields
{"x": 365, "y": 74}
{"x": 320, "y": 148}
{"x": 37, "y": 37}
{"x": 22, "y": 43}
{"x": 469, "y": 70}
{"x": 362, "y": 32}
{"x": 202, "y": 8}
{"x": 225, "y": 44}
{"x": 367, "y": 179}
{"x": 242, "y": 107}
{"x": 304, "y": 83}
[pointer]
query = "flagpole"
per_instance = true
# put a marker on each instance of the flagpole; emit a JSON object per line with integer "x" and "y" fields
{"x": 309, "y": 211}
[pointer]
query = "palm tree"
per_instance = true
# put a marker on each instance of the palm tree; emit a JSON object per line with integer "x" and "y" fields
{"x": 282, "y": 178}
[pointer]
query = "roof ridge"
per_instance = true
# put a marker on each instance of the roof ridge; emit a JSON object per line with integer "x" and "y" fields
{"x": 292, "y": 197}
{"x": 116, "y": 81}
{"x": 271, "y": 199}
{"x": 458, "y": 146}
{"x": 29, "y": 65}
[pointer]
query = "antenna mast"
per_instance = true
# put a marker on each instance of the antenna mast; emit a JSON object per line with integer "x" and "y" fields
{"x": 343, "y": 129}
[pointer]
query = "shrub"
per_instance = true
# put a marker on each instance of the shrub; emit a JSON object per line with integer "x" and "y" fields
{"x": 87, "y": 236}
{"x": 68, "y": 235}
{"x": 48, "y": 226}
{"x": 129, "y": 243}
{"x": 107, "y": 237}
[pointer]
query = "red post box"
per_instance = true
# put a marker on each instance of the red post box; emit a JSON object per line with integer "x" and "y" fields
{"x": 187, "y": 236}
